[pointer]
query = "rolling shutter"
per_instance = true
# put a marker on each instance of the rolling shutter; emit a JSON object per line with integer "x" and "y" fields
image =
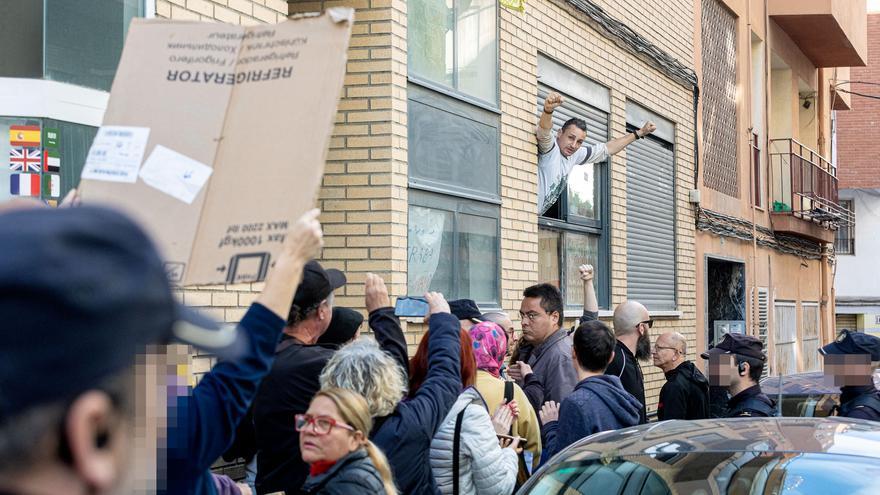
{"x": 597, "y": 120}
{"x": 650, "y": 224}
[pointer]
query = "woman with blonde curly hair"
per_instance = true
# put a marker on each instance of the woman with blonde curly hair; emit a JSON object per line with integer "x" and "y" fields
{"x": 333, "y": 441}
{"x": 404, "y": 429}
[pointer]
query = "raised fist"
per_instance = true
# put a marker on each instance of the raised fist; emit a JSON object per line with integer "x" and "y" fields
{"x": 553, "y": 100}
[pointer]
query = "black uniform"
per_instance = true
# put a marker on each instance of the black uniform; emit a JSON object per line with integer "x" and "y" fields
{"x": 860, "y": 403}
{"x": 685, "y": 395}
{"x": 751, "y": 402}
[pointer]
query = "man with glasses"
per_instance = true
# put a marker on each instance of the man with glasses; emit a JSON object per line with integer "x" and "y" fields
{"x": 631, "y": 325}
{"x": 545, "y": 348}
{"x": 685, "y": 395}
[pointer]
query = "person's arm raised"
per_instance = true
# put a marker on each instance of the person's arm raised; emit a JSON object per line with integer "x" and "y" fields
{"x": 591, "y": 304}
{"x": 616, "y": 145}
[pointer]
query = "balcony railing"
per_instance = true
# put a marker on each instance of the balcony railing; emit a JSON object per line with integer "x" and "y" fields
{"x": 804, "y": 185}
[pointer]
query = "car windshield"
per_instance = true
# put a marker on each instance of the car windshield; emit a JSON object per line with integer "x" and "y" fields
{"x": 705, "y": 473}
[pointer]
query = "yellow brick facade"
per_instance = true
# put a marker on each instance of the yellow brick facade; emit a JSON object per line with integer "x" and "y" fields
{"x": 364, "y": 198}
{"x": 364, "y": 192}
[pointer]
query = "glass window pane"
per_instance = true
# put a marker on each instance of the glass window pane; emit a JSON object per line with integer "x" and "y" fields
{"x": 477, "y": 51}
{"x": 430, "y": 247}
{"x": 429, "y": 40}
{"x": 84, "y": 39}
{"x": 579, "y": 249}
{"x": 583, "y": 191}
{"x": 453, "y": 145}
{"x": 548, "y": 256}
{"x": 477, "y": 258}
{"x": 74, "y": 141}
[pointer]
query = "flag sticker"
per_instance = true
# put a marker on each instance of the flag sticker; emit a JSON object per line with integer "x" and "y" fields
{"x": 52, "y": 185}
{"x": 25, "y": 159}
{"x": 51, "y": 161}
{"x": 24, "y": 185}
{"x": 50, "y": 137}
{"x": 24, "y": 135}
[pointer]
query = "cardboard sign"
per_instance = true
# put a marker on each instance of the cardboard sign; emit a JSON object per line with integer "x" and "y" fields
{"x": 236, "y": 122}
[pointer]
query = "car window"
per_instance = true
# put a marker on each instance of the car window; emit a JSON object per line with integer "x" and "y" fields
{"x": 706, "y": 473}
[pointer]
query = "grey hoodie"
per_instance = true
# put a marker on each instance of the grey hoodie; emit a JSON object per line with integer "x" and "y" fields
{"x": 598, "y": 403}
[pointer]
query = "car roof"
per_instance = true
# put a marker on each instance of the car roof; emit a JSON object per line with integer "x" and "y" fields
{"x": 809, "y": 383}
{"x": 833, "y": 435}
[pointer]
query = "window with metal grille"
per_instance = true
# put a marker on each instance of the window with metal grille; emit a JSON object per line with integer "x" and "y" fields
{"x": 762, "y": 309}
{"x": 845, "y": 239}
{"x": 785, "y": 337}
{"x": 810, "y": 336}
{"x": 718, "y": 28}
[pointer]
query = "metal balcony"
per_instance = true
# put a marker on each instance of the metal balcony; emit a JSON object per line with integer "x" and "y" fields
{"x": 803, "y": 192}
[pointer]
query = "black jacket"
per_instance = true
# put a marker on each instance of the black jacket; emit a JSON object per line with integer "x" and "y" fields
{"x": 860, "y": 403}
{"x": 685, "y": 395}
{"x": 289, "y": 389}
{"x": 751, "y": 402}
{"x": 627, "y": 368}
{"x": 354, "y": 473}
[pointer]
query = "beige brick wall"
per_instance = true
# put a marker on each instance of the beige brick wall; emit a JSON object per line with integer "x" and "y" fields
{"x": 244, "y": 12}
{"x": 364, "y": 192}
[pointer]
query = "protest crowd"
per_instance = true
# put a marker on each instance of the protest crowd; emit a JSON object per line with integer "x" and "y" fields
{"x": 317, "y": 398}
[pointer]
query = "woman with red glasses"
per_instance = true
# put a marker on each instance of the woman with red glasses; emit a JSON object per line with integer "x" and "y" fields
{"x": 333, "y": 441}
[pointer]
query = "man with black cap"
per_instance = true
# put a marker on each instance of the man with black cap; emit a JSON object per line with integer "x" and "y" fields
{"x": 466, "y": 311}
{"x": 293, "y": 381}
{"x": 849, "y": 362}
{"x": 737, "y": 363}
{"x": 88, "y": 401}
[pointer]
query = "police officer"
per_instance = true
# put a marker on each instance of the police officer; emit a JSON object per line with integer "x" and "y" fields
{"x": 737, "y": 363}
{"x": 850, "y": 360}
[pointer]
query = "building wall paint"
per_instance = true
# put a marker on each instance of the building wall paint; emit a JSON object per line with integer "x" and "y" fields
{"x": 856, "y": 275}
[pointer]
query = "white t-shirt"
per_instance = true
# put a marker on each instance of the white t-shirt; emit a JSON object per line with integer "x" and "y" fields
{"x": 553, "y": 167}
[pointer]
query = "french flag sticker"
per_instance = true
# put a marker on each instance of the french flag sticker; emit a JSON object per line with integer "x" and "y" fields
{"x": 24, "y": 185}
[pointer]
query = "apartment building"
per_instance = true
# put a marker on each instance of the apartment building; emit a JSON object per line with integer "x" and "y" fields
{"x": 768, "y": 205}
{"x": 856, "y": 286}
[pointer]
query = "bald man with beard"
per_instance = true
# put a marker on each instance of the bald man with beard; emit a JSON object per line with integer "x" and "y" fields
{"x": 631, "y": 325}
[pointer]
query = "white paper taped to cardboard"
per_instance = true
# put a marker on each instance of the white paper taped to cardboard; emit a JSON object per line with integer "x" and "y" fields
{"x": 116, "y": 154}
{"x": 175, "y": 174}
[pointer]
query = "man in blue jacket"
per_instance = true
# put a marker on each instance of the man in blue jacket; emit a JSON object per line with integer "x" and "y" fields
{"x": 85, "y": 387}
{"x": 599, "y": 401}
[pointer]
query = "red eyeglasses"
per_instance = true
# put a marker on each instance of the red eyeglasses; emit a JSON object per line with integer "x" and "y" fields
{"x": 321, "y": 425}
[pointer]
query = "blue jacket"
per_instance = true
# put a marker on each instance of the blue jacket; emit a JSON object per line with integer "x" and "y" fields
{"x": 598, "y": 403}
{"x": 405, "y": 434}
{"x": 201, "y": 424}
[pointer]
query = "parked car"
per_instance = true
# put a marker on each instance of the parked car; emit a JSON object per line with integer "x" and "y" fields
{"x": 802, "y": 394}
{"x": 737, "y": 456}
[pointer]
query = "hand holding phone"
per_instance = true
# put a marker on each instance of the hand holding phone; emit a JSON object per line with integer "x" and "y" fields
{"x": 511, "y": 442}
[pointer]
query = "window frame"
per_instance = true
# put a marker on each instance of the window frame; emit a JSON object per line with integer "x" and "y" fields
{"x": 454, "y": 92}
{"x": 457, "y": 205}
{"x": 851, "y": 229}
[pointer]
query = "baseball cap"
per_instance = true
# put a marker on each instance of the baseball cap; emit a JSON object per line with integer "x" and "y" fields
{"x": 343, "y": 326}
{"x": 849, "y": 342}
{"x": 465, "y": 309}
{"x": 317, "y": 284}
{"x": 84, "y": 292}
{"x": 735, "y": 343}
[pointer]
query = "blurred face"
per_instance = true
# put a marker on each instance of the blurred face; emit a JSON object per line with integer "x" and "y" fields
{"x": 665, "y": 355}
{"x": 509, "y": 331}
{"x": 722, "y": 370}
{"x": 848, "y": 370}
{"x": 326, "y": 437}
{"x": 570, "y": 140}
{"x": 537, "y": 324}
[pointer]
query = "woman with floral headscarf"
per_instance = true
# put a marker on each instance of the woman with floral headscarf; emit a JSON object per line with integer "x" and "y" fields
{"x": 490, "y": 348}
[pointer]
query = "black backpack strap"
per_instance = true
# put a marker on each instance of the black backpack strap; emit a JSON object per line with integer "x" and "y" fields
{"x": 456, "y": 450}
{"x": 508, "y": 396}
